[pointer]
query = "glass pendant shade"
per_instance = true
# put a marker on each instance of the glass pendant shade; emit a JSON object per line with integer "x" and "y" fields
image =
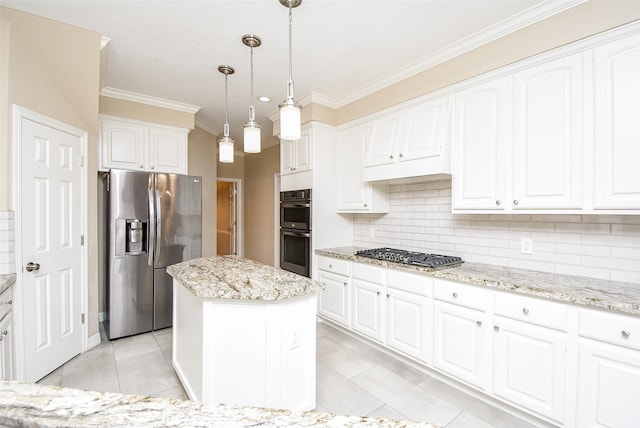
{"x": 252, "y": 138}
{"x": 225, "y": 150}
{"x": 289, "y": 121}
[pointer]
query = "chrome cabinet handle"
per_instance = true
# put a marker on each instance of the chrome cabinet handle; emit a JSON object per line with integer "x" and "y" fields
{"x": 390, "y": 156}
{"x": 625, "y": 333}
{"x": 8, "y": 302}
{"x": 388, "y": 295}
{"x": 479, "y": 323}
{"x": 516, "y": 202}
{"x": 32, "y": 267}
{"x": 525, "y": 311}
{"x": 401, "y": 155}
{"x": 378, "y": 293}
{"x": 455, "y": 295}
{"x": 496, "y": 328}
{"x": 498, "y": 202}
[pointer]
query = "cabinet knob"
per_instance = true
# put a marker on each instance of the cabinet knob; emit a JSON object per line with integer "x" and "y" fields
{"x": 1, "y": 338}
{"x": 498, "y": 201}
{"x": 479, "y": 323}
{"x": 525, "y": 311}
{"x": 388, "y": 295}
{"x": 5, "y": 332}
{"x": 365, "y": 205}
{"x": 496, "y": 328}
{"x": 8, "y": 302}
{"x": 141, "y": 166}
{"x": 401, "y": 155}
{"x": 345, "y": 284}
{"x": 516, "y": 202}
{"x": 378, "y": 293}
{"x": 330, "y": 266}
{"x": 625, "y": 333}
{"x": 390, "y": 156}
{"x": 455, "y": 295}
{"x": 152, "y": 167}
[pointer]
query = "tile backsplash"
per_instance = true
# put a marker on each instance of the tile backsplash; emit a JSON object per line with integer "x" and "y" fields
{"x": 7, "y": 242}
{"x": 420, "y": 219}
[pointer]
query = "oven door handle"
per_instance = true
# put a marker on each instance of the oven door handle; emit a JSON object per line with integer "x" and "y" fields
{"x": 293, "y": 233}
{"x": 295, "y": 205}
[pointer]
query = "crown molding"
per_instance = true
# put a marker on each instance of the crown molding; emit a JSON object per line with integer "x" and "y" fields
{"x": 148, "y": 99}
{"x": 487, "y": 35}
{"x": 210, "y": 129}
{"x": 104, "y": 41}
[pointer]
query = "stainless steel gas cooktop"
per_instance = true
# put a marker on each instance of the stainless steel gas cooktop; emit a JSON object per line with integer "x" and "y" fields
{"x": 410, "y": 257}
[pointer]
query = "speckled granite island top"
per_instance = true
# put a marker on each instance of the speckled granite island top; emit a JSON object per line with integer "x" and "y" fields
{"x": 7, "y": 281}
{"x": 233, "y": 277}
{"x": 30, "y": 405}
{"x": 611, "y": 295}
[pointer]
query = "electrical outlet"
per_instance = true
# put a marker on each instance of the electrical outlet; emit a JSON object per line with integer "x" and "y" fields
{"x": 372, "y": 232}
{"x": 526, "y": 246}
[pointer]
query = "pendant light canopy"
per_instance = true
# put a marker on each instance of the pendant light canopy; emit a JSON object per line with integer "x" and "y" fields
{"x": 251, "y": 128}
{"x": 225, "y": 144}
{"x": 290, "y": 109}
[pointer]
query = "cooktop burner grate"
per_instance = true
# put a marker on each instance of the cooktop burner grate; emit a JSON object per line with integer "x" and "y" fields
{"x": 410, "y": 257}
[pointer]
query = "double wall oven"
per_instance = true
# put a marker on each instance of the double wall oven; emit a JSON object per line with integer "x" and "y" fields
{"x": 295, "y": 231}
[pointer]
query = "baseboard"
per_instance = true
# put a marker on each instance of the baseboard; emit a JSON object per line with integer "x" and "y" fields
{"x": 93, "y": 341}
{"x": 102, "y": 316}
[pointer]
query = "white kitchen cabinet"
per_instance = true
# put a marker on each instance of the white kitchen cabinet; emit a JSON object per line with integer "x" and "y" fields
{"x": 608, "y": 370}
{"x": 334, "y": 302}
{"x": 352, "y": 193}
{"x": 295, "y": 155}
{"x": 142, "y": 146}
{"x": 408, "y": 314}
{"x": 548, "y": 135}
{"x": 460, "y": 332}
{"x": 616, "y": 180}
{"x": 530, "y": 353}
{"x": 409, "y": 141}
{"x": 6, "y": 352}
{"x": 479, "y": 138}
{"x": 518, "y": 140}
{"x": 368, "y": 283}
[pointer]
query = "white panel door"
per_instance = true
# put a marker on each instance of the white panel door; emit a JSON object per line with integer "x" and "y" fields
{"x": 617, "y": 127}
{"x": 479, "y": 145}
{"x": 51, "y": 218}
{"x": 6, "y": 354}
{"x": 168, "y": 151}
{"x": 352, "y": 193}
{"x": 334, "y": 301}
{"x": 123, "y": 145}
{"x": 548, "y": 136}
{"x": 383, "y": 140}
{"x": 287, "y": 161}
{"x": 368, "y": 308}
{"x": 303, "y": 152}
{"x": 407, "y": 323}
{"x": 424, "y": 130}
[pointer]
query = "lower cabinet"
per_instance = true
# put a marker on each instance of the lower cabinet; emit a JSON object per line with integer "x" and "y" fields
{"x": 368, "y": 283}
{"x": 334, "y": 302}
{"x": 6, "y": 358}
{"x": 408, "y": 323}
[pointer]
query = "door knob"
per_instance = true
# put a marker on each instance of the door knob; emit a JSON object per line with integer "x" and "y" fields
{"x": 32, "y": 267}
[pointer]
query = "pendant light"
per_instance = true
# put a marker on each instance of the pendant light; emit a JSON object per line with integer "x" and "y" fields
{"x": 290, "y": 109}
{"x": 251, "y": 128}
{"x": 225, "y": 144}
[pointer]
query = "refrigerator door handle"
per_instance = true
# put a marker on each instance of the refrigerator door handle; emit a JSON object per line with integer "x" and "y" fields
{"x": 158, "y": 217}
{"x": 152, "y": 224}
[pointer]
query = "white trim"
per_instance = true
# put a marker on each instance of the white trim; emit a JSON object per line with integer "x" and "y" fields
{"x": 19, "y": 113}
{"x": 103, "y": 116}
{"x": 104, "y": 41}
{"x": 93, "y": 341}
{"x": 121, "y": 94}
{"x": 276, "y": 219}
{"x": 210, "y": 129}
{"x": 102, "y": 316}
{"x": 239, "y": 214}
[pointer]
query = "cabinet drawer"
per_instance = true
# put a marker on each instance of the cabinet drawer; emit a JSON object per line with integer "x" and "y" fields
{"x": 341, "y": 267}
{"x": 413, "y": 283}
{"x": 5, "y": 298}
{"x": 460, "y": 294}
{"x": 531, "y": 310}
{"x": 612, "y": 328}
{"x": 368, "y": 273}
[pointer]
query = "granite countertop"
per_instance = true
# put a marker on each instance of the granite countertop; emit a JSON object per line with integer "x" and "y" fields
{"x": 622, "y": 297}
{"x": 234, "y": 277}
{"x": 31, "y": 405}
{"x": 7, "y": 281}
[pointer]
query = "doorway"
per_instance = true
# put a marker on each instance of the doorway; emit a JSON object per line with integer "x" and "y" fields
{"x": 229, "y": 217}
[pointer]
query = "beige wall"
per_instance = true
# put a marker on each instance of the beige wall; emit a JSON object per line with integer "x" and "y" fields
{"x": 53, "y": 69}
{"x": 259, "y": 204}
{"x": 146, "y": 112}
{"x": 202, "y": 161}
{"x": 231, "y": 170}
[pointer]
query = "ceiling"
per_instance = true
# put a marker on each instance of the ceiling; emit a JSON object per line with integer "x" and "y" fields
{"x": 342, "y": 50}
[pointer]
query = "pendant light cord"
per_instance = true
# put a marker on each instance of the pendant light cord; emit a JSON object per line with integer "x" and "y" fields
{"x": 226, "y": 121}
{"x": 252, "y": 114}
{"x": 290, "y": 83}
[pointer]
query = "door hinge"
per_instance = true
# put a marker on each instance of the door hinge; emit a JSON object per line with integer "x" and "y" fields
{"x": 81, "y": 161}
{"x": 81, "y": 240}
{"x": 82, "y": 318}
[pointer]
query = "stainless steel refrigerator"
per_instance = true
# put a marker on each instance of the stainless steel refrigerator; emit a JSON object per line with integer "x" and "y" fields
{"x": 153, "y": 220}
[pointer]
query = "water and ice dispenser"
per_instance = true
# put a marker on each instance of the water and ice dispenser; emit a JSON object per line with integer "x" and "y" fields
{"x": 136, "y": 236}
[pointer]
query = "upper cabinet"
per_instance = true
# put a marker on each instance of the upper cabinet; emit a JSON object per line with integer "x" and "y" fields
{"x": 616, "y": 179}
{"x": 407, "y": 142}
{"x": 295, "y": 155}
{"x": 517, "y": 140}
{"x": 142, "y": 146}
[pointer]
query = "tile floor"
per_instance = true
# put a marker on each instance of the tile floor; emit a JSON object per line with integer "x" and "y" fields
{"x": 352, "y": 378}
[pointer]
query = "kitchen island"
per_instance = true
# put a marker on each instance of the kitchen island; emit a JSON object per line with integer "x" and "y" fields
{"x": 244, "y": 333}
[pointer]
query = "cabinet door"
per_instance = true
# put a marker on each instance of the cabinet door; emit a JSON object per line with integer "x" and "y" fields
{"x": 6, "y": 359}
{"x": 424, "y": 130}
{"x": 548, "y": 135}
{"x": 167, "y": 151}
{"x": 334, "y": 301}
{"x": 287, "y": 159}
{"x": 302, "y": 153}
{"x": 352, "y": 193}
{"x": 123, "y": 145}
{"x": 617, "y": 128}
{"x": 608, "y": 385}
{"x": 367, "y": 308}
{"x": 478, "y": 146}
{"x": 383, "y": 140}
{"x": 460, "y": 342}
{"x": 407, "y": 323}
{"x": 530, "y": 366}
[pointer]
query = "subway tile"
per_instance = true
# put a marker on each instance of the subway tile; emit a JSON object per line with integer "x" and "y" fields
{"x": 584, "y": 228}
{"x": 587, "y": 250}
{"x": 613, "y": 219}
{"x": 532, "y": 265}
{"x": 531, "y": 226}
{"x": 613, "y": 240}
{"x": 489, "y": 242}
{"x": 626, "y": 253}
{"x": 612, "y": 263}
{"x": 586, "y": 271}
{"x": 557, "y": 218}
{"x": 625, "y": 229}
{"x": 557, "y": 237}
{"x": 482, "y": 224}
{"x": 567, "y": 259}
